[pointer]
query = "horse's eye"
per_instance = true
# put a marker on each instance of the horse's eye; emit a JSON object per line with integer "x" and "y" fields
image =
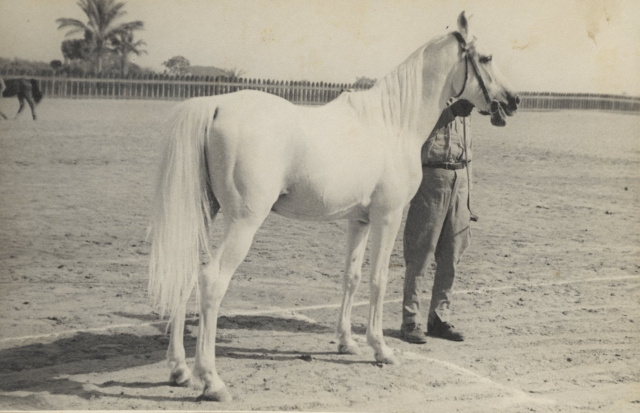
{"x": 485, "y": 59}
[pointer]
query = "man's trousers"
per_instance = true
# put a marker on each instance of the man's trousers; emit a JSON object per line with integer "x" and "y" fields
{"x": 437, "y": 226}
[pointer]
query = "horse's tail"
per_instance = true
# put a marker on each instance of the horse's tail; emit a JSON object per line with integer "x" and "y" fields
{"x": 184, "y": 206}
{"x": 35, "y": 90}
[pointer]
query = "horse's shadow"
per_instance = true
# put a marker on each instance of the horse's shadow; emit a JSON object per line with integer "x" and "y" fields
{"x": 48, "y": 367}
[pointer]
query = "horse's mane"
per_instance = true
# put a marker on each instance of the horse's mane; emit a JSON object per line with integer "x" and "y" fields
{"x": 396, "y": 99}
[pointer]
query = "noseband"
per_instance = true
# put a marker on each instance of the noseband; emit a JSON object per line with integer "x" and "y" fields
{"x": 469, "y": 55}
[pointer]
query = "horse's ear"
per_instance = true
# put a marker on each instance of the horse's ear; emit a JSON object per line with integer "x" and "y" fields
{"x": 463, "y": 24}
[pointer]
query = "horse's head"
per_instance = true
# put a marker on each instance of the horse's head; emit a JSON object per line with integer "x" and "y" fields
{"x": 477, "y": 78}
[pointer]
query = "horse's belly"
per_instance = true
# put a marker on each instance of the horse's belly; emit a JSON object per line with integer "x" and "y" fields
{"x": 305, "y": 204}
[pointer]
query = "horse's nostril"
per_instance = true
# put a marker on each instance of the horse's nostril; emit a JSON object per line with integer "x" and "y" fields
{"x": 513, "y": 102}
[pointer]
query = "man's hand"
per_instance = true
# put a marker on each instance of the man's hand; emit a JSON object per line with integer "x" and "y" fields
{"x": 461, "y": 108}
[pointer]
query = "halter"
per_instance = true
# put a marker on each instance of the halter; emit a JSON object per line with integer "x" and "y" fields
{"x": 469, "y": 58}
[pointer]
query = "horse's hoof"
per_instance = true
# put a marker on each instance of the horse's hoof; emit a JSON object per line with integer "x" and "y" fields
{"x": 350, "y": 348}
{"x": 386, "y": 357}
{"x": 221, "y": 395}
{"x": 180, "y": 378}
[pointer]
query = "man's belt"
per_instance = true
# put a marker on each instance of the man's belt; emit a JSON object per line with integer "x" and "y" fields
{"x": 452, "y": 166}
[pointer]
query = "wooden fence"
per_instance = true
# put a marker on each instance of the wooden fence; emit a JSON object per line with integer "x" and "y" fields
{"x": 178, "y": 89}
{"x": 182, "y": 87}
{"x": 307, "y": 93}
{"x": 583, "y": 101}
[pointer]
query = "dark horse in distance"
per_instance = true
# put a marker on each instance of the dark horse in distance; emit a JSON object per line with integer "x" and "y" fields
{"x": 25, "y": 89}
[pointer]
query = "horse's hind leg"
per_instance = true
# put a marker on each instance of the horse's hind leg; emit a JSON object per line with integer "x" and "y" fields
{"x": 214, "y": 281}
{"x": 176, "y": 356}
{"x": 32, "y": 105}
{"x": 356, "y": 245}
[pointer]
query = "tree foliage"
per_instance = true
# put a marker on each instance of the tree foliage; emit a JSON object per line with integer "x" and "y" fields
{"x": 23, "y": 65}
{"x": 102, "y": 28}
{"x": 235, "y": 73}
{"x": 177, "y": 65}
{"x": 124, "y": 44}
{"x": 364, "y": 82}
{"x": 75, "y": 49}
{"x": 55, "y": 64}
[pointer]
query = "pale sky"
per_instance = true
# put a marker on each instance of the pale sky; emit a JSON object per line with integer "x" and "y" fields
{"x": 540, "y": 45}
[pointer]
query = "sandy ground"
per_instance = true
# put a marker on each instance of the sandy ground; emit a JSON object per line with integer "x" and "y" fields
{"x": 548, "y": 296}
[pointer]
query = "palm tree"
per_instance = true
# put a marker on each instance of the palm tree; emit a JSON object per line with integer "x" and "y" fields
{"x": 101, "y": 29}
{"x": 124, "y": 45}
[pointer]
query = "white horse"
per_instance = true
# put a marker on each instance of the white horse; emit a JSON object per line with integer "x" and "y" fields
{"x": 248, "y": 153}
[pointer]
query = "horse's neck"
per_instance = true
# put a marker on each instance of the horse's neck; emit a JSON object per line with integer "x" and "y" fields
{"x": 406, "y": 102}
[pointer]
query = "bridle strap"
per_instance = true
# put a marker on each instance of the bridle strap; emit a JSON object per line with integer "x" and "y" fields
{"x": 474, "y": 65}
{"x": 466, "y": 77}
{"x": 469, "y": 58}
{"x": 463, "y": 46}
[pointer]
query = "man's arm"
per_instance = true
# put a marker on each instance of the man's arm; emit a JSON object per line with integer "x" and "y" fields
{"x": 446, "y": 117}
{"x": 460, "y": 108}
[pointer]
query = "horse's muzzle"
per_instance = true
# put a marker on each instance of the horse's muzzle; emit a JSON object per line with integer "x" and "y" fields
{"x": 512, "y": 104}
{"x": 500, "y": 110}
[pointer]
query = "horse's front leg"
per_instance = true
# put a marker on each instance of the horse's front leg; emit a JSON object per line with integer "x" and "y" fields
{"x": 356, "y": 244}
{"x": 384, "y": 231}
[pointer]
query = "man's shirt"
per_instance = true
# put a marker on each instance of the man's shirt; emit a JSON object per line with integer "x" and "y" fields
{"x": 447, "y": 144}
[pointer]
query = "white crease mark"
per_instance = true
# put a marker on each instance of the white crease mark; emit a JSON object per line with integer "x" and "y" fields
{"x": 518, "y": 395}
{"x": 310, "y": 307}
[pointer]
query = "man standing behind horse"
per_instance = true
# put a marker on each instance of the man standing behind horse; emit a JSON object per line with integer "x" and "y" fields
{"x": 438, "y": 224}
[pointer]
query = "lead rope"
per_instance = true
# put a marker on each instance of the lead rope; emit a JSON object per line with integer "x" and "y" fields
{"x": 474, "y": 217}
